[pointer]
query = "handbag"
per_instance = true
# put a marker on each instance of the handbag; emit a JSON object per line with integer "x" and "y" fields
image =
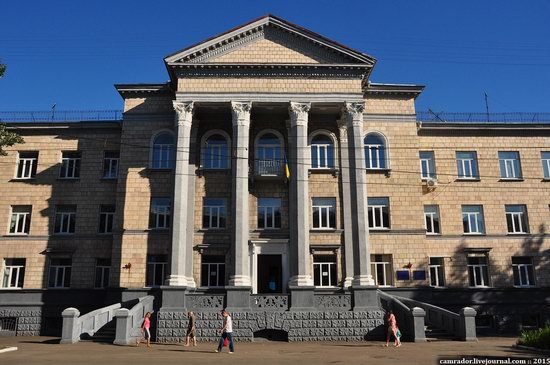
{"x": 226, "y": 342}
{"x": 398, "y": 333}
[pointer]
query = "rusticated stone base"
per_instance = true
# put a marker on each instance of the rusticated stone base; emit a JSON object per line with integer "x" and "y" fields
{"x": 300, "y": 326}
{"x": 29, "y": 322}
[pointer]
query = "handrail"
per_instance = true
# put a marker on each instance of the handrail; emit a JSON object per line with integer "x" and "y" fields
{"x": 429, "y": 306}
{"x": 411, "y": 319}
{"x": 128, "y": 321}
{"x": 75, "y": 325}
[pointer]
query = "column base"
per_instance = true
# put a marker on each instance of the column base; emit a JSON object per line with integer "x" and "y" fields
{"x": 363, "y": 280}
{"x": 364, "y": 298}
{"x": 300, "y": 280}
{"x": 348, "y": 281}
{"x": 302, "y": 298}
{"x": 238, "y": 298}
{"x": 180, "y": 280}
{"x": 240, "y": 280}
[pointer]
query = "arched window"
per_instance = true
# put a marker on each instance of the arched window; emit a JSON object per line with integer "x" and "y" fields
{"x": 375, "y": 151}
{"x": 322, "y": 152}
{"x": 215, "y": 151}
{"x": 163, "y": 151}
{"x": 269, "y": 154}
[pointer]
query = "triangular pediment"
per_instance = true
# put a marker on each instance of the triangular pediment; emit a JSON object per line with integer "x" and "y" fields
{"x": 269, "y": 40}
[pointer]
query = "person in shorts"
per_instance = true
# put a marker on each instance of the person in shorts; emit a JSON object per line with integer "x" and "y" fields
{"x": 145, "y": 330}
{"x": 191, "y": 329}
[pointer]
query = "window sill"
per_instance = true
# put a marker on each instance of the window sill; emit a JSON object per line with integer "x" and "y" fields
{"x": 474, "y": 234}
{"x": 109, "y": 178}
{"x": 433, "y": 234}
{"x": 525, "y": 286}
{"x": 16, "y": 179}
{"x": 480, "y": 287}
{"x": 57, "y": 234}
{"x": 105, "y": 234}
{"x": 68, "y": 179}
{"x": 332, "y": 171}
{"x": 6, "y": 289}
{"x": 546, "y": 179}
{"x": 517, "y": 233}
{"x": 379, "y": 229}
{"x": 206, "y": 230}
{"x": 17, "y": 235}
{"x": 157, "y": 230}
{"x": 322, "y": 230}
{"x": 50, "y": 288}
{"x": 509, "y": 179}
{"x": 467, "y": 179}
{"x": 386, "y": 172}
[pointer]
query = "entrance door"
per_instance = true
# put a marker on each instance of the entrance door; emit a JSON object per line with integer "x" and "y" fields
{"x": 270, "y": 274}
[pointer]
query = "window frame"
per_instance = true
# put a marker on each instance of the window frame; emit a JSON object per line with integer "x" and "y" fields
{"x": 473, "y": 166}
{"x": 329, "y": 162}
{"x": 154, "y": 263}
{"x": 328, "y": 211}
{"x": 70, "y": 215}
{"x": 220, "y": 265}
{"x": 275, "y": 210}
{"x": 545, "y": 161}
{"x": 225, "y": 159}
{"x": 381, "y": 151}
{"x": 371, "y": 208}
{"x": 278, "y": 164}
{"x": 510, "y": 163}
{"x": 8, "y": 272}
{"x": 102, "y": 268}
{"x": 483, "y": 270}
{"x": 71, "y": 161}
{"x": 219, "y": 217}
{"x": 26, "y": 164}
{"x": 429, "y": 163}
{"x": 387, "y": 269}
{"x": 27, "y": 219}
{"x": 477, "y": 222}
{"x": 171, "y": 149}
{"x": 431, "y": 215}
{"x": 66, "y": 278}
{"x": 439, "y": 268}
{"x": 155, "y": 213}
{"x": 331, "y": 271}
{"x": 109, "y": 216}
{"x": 518, "y": 267}
{"x": 523, "y": 220}
{"x": 108, "y": 165}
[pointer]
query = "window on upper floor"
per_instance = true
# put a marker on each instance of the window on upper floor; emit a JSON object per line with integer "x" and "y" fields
{"x": 20, "y": 219}
{"x": 324, "y": 213}
{"x": 65, "y": 219}
{"x": 467, "y": 165}
{"x": 156, "y": 270}
{"x": 212, "y": 271}
{"x": 110, "y": 164}
{"x": 159, "y": 216}
{"x": 379, "y": 213}
{"x": 106, "y": 218}
{"x": 427, "y": 165}
{"x": 322, "y": 152}
{"x": 215, "y": 152}
{"x": 214, "y": 213}
{"x": 545, "y": 159}
{"x": 102, "y": 273}
{"x": 324, "y": 271}
{"x": 163, "y": 156}
{"x": 523, "y": 270}
{"x": 70, "y": 165}
{"x": 510, "y": 166}
{"x": 269, "y": 155}
{"x": 516, "y": 219}
{"x": 27, "y": 164}
{"x": 376, "y": 156}
{"x": 431, "y": 219}
{"x": 59, "y": 275}
{"x": 269, "y": 213}
{"x": 478, "y": 270}
{"x": 13, "y": 273}
{"x": 472, "y": 219}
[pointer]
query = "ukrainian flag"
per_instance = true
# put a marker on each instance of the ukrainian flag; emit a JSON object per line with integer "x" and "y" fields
{"x": 287, "y": 169}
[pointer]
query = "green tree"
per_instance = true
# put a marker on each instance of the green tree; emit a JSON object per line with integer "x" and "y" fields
{"x": 7, "y": 138}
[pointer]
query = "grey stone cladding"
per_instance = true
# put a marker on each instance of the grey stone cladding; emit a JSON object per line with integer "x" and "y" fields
{"x": 300, "y": 326}
{"x": 29, "y": 322}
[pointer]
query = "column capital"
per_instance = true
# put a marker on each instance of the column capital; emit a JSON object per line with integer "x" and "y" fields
{"x": 184, "y": 112}
{"x": 354, "y": 112}
{"x": 298, "y": 113}
{"x": 240, "y": 111}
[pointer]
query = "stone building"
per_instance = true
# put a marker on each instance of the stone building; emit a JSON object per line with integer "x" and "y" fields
{"x": 270, "y": 172}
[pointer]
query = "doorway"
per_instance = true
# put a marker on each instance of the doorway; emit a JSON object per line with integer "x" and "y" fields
{"x": 270, "y": 274}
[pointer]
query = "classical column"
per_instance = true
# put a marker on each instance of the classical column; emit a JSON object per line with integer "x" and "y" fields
{"x": 181, "y": 248}
{"x": 239, "y": 194}
{"x": 193, "y": 163}
{"x": 346, "y": 202}
{"x": 299, "y": 195}
{"x": 358, "y": 182}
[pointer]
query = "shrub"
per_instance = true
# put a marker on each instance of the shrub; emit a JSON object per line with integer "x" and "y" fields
{"x": 538, "y": 338}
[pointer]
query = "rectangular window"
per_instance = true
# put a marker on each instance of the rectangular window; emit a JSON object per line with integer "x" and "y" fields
{"x": 437, "y": 271}
{"x": 65, "y": 219}
{"x": 431, "y": 219}
{"x": 324, "y": 271}
{"x": 545, "y": 159}
{"x": 106, "y": 218}
{"x": 478, "y": 271}
{"x": 269, "y": 213}
{"x": 472, "y": 219}
{"x": 102, "y": 272}
{"x": 156, "y": 270}
{"x": 212, "y": 271}
{"x": 70, "y": 165}
{"x": 20, "y": 219}
{"x": 159, "y": 216}
{"x": 27, "y": 164}
{"x": 379, "y": 213}
{"x": 427, "y": 165}
{"x": 214, "y": 213}
{"x": 381, "y": 270}
{"x": 110, "y": 164}
{"x": 60, "y": 273}
{"x": 510, "y": 167}
{"x": 524, "y": 271}
{"x": 14, "y": 273}
{"x": 467, "y": 165}
{"x": 516, "y": 219}
{"x": 324, "y": 213}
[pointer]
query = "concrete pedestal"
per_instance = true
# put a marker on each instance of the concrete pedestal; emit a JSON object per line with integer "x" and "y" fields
{"x": 302, "y": 298}
{"x": 238, "y": 298}
{"x": 364, "y": 298}
{"x": 174, "y": 297}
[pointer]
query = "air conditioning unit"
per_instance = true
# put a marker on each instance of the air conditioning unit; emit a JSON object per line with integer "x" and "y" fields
{"x": 431, "y": 182}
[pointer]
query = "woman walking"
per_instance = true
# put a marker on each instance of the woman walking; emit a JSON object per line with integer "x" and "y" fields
{"x": 393, "y": 330}
{"x": 145, "y": 333}
{"x": 191, "y": 329}
{"x": 227, "y": 332}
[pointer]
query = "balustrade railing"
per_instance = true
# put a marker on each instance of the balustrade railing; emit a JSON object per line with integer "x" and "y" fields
{"x": 269, "y": 167}
{"x": 75, "y": 325}
{"x": 128, "y": 321}
{"x": 269, "y": 302}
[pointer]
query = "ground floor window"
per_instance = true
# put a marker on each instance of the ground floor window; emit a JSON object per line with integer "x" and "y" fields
{"x": 14, "y": 273}
{"x": 437, "y": 271}
{"x": 324, "y": 270}
{"x": 60, "y": 273}
{"x": 381, "y": 270}
{"x": 478, "y": 271}
{"x": 102, "y": 271}
{"x": 156, "y": 270}
{"x": 524, "y": 272}
{"x": 212, "y": 271}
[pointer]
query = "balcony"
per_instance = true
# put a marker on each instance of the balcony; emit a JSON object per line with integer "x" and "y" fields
{"x": 269, "y": 168}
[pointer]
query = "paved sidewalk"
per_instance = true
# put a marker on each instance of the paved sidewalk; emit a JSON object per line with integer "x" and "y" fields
{"x": 41, "y": 350}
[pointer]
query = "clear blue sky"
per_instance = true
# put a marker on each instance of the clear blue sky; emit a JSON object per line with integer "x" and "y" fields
{"x": 72, "y": 52}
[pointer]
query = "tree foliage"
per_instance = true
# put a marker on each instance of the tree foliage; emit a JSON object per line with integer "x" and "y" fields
{"x": 2, "y": 69}
{"x": 8, "y": 139}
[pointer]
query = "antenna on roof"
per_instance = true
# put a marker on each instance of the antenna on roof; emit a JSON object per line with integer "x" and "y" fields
{"x": 487, "y": 106}
{"x": 53, "y": 111}
{"x": 437, "y": 116}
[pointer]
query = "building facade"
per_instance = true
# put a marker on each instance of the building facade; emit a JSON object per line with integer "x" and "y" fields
{"x": 270, "y": 167}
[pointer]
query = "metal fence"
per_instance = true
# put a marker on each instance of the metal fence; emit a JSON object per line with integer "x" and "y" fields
{"x": 8, "y": 326}
{"x": 505, "y": 118}
{"x": 61, "y": 116}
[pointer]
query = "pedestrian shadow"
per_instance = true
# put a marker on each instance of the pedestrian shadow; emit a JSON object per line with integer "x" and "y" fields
{"x": 184, "y": 350}
{"x": 53, "y": 341}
